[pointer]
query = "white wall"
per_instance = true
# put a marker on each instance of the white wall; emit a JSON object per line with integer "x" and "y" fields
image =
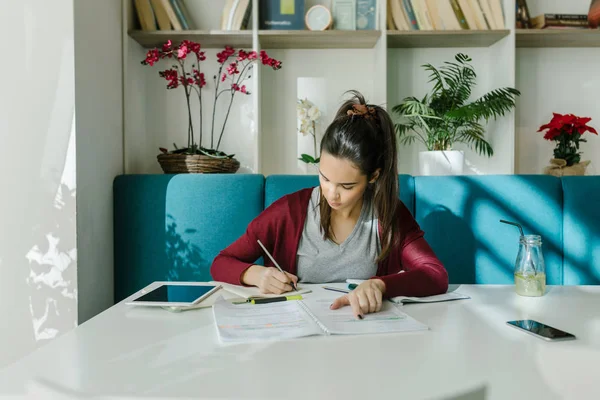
{"x": 555, "y": 80}
{"x": 38, "y": 256}
{"x": 278, "y": 97}
{"x": 99, "y": 102}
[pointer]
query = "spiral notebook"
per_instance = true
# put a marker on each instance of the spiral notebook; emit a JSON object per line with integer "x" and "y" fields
{"x": 298, "y": 318}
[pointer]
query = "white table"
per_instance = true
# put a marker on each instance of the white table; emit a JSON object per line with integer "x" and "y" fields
{"x": 130, "y": 352}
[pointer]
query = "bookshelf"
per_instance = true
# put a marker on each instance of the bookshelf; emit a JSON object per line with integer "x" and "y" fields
{"x": 540, "y": 38}
{"x": 429, "y": 39}
{"x": 275, "y": 39}
{"x": 385, "y": 65}
{"x": 208, "y": 39}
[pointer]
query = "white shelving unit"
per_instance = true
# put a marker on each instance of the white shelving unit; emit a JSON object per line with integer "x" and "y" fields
{"x": 384, "y": 65}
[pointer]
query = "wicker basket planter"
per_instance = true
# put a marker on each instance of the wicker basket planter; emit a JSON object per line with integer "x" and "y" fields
{"x": 196, "y": 164}
{"x": 558, "y": 167}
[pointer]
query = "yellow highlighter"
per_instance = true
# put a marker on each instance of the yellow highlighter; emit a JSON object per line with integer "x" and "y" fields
{"x": 274, "y": 299}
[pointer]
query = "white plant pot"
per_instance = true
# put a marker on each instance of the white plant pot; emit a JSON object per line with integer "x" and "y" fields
{"x": 449, "y": 162}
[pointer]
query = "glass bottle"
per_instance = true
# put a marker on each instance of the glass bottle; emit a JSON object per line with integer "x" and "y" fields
{"x": 530, "y": 269}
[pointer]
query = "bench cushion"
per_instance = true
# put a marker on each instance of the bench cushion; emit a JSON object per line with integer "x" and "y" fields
{"x": 170, "y": 227}
{"x": 460, "y": 216}
{"x": 581, "y": 229}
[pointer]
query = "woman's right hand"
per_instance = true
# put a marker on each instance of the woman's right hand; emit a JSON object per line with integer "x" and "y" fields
{"x": 269, "y": 279}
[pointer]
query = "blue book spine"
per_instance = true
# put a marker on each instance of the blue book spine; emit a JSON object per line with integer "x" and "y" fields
{"x": 180, "y": 16}
{"x": 366, "y": 14}
{"x": 410, "y": 13}
{"x": 281, "y": 14}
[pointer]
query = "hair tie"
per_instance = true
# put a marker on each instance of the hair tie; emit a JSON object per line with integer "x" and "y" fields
{"x": 362, "y": 110}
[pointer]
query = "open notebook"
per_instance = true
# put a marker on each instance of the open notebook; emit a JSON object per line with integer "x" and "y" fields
{"x": 307, "y": 317}
{"x": 449, "y": 296}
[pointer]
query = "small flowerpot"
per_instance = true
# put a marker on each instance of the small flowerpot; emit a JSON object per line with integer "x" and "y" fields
{"x": 196, "y": 164}
{"x": 450, "y": 162}
{"x": 558, "y": 167}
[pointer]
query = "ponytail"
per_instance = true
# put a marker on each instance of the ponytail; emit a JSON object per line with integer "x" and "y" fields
{"x": 364, "y": 135}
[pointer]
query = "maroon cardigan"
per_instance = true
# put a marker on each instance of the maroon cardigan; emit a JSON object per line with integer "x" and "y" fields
{"x": 410, "y": 269}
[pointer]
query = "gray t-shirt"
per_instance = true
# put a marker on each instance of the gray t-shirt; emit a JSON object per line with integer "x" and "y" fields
{"x": 321, "y": 261}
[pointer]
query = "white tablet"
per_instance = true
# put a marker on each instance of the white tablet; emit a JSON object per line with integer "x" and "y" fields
{"x": 170, "y": 295}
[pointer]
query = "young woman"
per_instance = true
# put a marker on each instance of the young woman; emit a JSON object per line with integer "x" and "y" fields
{"x": 353, "y": 225}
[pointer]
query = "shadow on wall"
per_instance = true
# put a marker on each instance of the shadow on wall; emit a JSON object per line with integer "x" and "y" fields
{"x": 184, "y": 257}
{"x": 454, "y": 243}
{"x": 466, "y": 222}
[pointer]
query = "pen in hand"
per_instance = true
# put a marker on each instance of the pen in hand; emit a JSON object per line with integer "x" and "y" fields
{"x": 275, "y": 262}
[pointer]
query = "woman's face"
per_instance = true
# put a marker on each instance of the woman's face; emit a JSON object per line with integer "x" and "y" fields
{"x": 342, "y": 183}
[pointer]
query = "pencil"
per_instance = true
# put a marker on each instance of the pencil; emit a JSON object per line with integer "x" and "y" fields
{"x": 275, "y": 262}
{"x": 334, "y": 289}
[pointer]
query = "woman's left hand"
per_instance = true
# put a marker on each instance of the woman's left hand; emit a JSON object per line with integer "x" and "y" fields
{"x": 366, "y": 298}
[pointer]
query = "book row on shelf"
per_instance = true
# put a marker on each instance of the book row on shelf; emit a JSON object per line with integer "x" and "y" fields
{"x": 174, "y": 15}
{"x": 427, "y": 15}
{"x": 557, "y": 21}
{"x": 402, "y": 15}
{"x": 164, "y": 15}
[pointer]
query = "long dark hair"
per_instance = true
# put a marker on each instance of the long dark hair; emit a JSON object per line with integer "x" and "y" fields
{"x": 364, "y": 135}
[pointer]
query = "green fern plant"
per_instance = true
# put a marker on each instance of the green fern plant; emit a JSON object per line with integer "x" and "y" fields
{"x": 445, "y": 116}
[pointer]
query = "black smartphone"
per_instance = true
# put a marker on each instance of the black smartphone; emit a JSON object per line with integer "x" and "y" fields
{"x": 541, "y": 330}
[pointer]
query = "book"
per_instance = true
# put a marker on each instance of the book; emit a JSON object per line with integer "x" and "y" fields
{"x": 172, "y": 16}
{"x": 523, "y": 19}
{"x": 185, "y": 25}
{"x": 162, "y": 18}
{"x": 281, "y": 14}
{"x": 236, "y": 15}
{"x": 243, "y": 323}
{"x": 389, "y": 21}
{"x": 460, "y": 16}
{"x": 145, "y": 15}
{"x": 411, "y": 18}
{"x": 434, "y": 14}
{"x": 366, "y": 14}
{"x": 447, "y": 16}
{"x": 547, "y": 20}
{"x": 468, "y": 13}
{"x": 487, "y": 14}
{"x": 344, "y": 15}
{"x": 478, "y": 15}
{"x": 422, "y": 15}
{"x": 497, "y": 12}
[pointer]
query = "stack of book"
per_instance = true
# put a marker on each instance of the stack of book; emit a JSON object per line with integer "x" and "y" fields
{"x": 164, "y": 15}
{"x": 408, "y": 15}
{"x": 549, "y": 21}
{"x": 560, "y": 21}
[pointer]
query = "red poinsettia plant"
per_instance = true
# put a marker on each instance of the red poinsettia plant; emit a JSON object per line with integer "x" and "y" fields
{"x": 234, "y": 68}
{"x": 566, "y": 130}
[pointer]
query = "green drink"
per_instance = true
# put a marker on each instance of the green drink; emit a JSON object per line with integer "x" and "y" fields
{"x": 530, "y": 285}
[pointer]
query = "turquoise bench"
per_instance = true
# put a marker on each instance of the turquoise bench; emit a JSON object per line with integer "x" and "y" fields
{"x": 170, "y": 227}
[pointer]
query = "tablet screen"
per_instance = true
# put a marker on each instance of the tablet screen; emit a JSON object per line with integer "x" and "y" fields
{"x": 175, "y": 294}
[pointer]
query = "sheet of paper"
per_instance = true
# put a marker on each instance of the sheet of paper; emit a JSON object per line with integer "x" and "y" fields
{"x": 343, "y": 322}
{"x": 253, "y": 291}
{"x": 430, "y": 299}
{"x": 258, "y": 322}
